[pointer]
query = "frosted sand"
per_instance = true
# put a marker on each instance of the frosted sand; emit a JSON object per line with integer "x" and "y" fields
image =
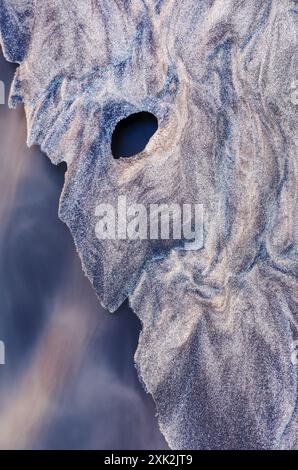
{"x": 221, "y": 77}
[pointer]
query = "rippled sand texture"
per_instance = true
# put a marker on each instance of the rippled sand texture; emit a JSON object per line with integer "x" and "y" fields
{"x": 216, "y": 350}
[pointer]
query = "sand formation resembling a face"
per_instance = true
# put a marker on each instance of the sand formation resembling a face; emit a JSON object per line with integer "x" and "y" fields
{"x": 220, "y": 324}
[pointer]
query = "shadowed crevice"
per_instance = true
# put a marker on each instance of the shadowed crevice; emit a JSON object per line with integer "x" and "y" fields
{"x": 132, "y": 134}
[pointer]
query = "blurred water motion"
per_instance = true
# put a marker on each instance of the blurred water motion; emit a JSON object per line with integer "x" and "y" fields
{"x": 69, "y": 381}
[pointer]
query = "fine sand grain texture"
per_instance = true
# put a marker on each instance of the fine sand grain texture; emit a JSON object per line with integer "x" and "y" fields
{"x": 219, "y": 323}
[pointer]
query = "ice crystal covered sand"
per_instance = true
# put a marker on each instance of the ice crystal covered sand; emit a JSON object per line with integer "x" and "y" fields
{"x": 219, "y": 323}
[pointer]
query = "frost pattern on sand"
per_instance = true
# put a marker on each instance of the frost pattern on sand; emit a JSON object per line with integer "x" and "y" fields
{"x": 218, "y": 324}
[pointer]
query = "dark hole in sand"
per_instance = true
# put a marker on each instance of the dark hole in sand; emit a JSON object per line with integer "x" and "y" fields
{"x": 132, "y": 134}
